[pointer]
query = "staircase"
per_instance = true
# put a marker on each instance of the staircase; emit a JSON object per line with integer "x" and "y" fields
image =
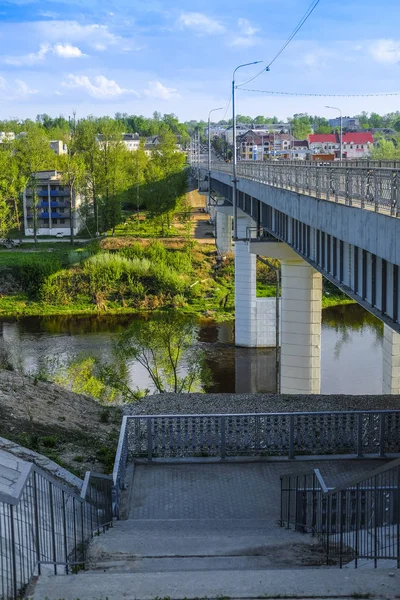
{"x": 209, "y": 530}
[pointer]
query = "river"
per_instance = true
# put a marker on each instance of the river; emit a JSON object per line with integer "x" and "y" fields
{"x": 351, "y": 358}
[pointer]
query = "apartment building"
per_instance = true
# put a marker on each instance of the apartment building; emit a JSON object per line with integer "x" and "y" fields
{"x": 54, "y": 206}
{"x": 354, "y": 145}
{"x": 58, "y": 147}
{"x": 260, "y": 144}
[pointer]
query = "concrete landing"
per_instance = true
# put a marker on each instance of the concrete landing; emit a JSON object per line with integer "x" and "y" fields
{"x": 311, "y": 583}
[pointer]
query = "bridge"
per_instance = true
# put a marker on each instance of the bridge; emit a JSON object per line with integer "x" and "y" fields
{"x": 339, "y": 220}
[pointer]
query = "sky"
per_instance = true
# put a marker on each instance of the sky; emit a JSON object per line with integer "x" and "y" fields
{"x": 140, "y": 56}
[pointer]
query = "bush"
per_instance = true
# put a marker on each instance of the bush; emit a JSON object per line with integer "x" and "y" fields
{"x": 32, "y": 272}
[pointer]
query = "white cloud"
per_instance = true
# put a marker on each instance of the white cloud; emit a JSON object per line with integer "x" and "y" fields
{"x": 67, "y": 51}
{"x": 247, "y": 38}
{"x": 61, "y": 50}
{"x": 200, "y": 23}
{"x": 97, "y": 87}
{"x": 246, "y": 28}
{"x": 94, "y": 35}
{"x": 386, "y": 51}
{"x": 158, "y": 90}
{"x": 243, "y": 42}
{"x": 17, "y": 90}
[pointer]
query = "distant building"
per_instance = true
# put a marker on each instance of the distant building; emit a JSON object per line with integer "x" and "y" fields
{"x": 53, "y": 201}
{"x": 260, "y": 144}
{"x": 354, "y": 145}
{"x": 58, "y": 147}
{"x": 347, "y": 122}
{"x": 131, "y": 141}
{"x": 323, "y": 143}
{"x": 300, "y": 150}
{"x": 357, "y": 145}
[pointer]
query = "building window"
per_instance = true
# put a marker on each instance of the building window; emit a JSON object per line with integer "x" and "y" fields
{"x": 55, "y": 221}
{"x": 62, "y": 221}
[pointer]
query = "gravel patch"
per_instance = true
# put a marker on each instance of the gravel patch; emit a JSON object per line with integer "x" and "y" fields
{"x": 257, "y": 403}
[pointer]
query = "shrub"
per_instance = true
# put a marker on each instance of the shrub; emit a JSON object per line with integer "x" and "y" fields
{"x": 32, "y": 272}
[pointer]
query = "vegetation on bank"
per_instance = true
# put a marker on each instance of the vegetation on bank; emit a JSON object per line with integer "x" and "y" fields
{"x": 124, "y": 275}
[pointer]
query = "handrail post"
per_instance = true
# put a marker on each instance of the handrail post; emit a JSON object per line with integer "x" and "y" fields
{"x": 53, "y": 531}
{"x": 382, "y": 440}
{"x": 291, "y": 436}
{"x": 223, "y": 448}
{"x": 149, "y": 440}
{"x": 359, "y": 435}
{"x": 36, "y": 517}
{"x": 13, "y": 557}
{"x": 64, "y": 516}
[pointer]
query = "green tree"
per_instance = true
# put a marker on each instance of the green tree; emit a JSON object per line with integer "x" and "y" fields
{"x": 32, "y": 154}
{"x": 301, "y": 126}
{"x": 166, "y": 349}
{"x": 386, "y": 150}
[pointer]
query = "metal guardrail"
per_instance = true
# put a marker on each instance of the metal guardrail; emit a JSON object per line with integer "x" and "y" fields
{"x": 356, "y": 523}
{"x": 223, "y": 436}
{"x": 372, "y": 188}
{"x": 47, "y": 524}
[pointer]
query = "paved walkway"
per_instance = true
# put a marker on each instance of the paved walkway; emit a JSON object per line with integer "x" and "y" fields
{"x": 225, "y": 490}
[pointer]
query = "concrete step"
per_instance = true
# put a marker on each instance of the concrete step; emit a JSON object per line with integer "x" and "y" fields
{"x": 204, "y": 537}
{"x": 267, "y": 584}
{"x": 186, "y": 563}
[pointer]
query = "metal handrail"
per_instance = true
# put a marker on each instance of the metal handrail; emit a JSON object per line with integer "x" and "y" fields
{"x": 368, "y": 187}
{"x": 354, "y": 521}
{"x": 44, "y": 522}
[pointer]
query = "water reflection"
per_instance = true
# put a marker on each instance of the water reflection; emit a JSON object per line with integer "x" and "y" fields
{"x": 351, "y": 360}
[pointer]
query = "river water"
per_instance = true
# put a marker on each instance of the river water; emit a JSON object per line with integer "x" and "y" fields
{"x": 351, "y": 359}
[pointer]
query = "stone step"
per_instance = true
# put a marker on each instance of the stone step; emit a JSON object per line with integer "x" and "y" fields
{"x": 187, "y": 563}
{"x": 185, "y": 537}
{"x": 267, "y": 584}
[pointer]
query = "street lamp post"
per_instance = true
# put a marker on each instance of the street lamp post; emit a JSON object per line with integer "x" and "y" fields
{"x": 209, "y": 158}
{"x": 340, "y": 112}
{"x": 234, "y": 178}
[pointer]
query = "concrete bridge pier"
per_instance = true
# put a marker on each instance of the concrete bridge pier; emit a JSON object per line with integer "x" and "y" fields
{"x": 254, "y": 317}
{"x": 391, "y": 361}
{"x": 301, "y": 328}
{"x": 300, "y": 332}
{"x": 223, "y": 228}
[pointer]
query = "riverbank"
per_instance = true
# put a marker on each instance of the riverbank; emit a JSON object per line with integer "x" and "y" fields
{"x": 127, "y": 276}
{"x": 72, "y": 429}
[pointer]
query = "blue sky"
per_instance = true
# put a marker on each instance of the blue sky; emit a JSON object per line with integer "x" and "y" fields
{"x": 138, "y": 56}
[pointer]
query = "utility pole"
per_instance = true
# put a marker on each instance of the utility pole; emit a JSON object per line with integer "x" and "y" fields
{"x": 209, "y": 159}
{"x": 234, "y": 173}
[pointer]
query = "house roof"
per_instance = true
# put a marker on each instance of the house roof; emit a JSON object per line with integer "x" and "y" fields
{"x": 358, "y": 138}
{"x": 321, "y": 138}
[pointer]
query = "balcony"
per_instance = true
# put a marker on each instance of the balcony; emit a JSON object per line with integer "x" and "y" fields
{"x": 53, "y": 205}
{"x": 52, "y": 193}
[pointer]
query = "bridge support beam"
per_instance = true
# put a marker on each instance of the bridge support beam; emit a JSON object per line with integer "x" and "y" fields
{"x": 224, "y": 229}
{"x": 391, "y": 361}
{"x": 254, "y": 317}
{"x": 301, "y": 328}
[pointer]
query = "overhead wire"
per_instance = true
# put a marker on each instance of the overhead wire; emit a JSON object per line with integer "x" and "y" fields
{"x": 299, "y": 25}
{"x": 319, "y": 95}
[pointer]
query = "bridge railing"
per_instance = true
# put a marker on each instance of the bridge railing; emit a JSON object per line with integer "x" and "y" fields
{"x": 370, "y": 188}
{"x": 223, "y": 436}
{"x": 356, "y": 523}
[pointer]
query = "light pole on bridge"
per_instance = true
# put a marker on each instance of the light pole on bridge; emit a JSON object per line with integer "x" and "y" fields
{"x": 340, "y": 112}
{"x": 234, "y": 179}
{"x": 209, "y": 157}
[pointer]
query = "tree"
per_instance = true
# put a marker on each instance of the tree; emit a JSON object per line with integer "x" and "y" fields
{"x": 386, "y": 150}
{"x": 301, "y": 126}
{"x": 7, "y": 216}
{"x": 165, "y": 348}
{"x": 72, "y": 167}
{"x": 33, "y": 153}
